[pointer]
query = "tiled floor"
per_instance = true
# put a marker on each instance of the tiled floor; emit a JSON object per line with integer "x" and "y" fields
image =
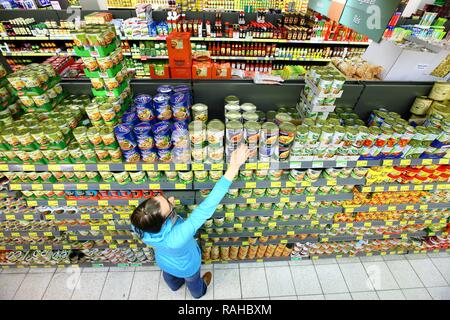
{"x": 374, "y": 278}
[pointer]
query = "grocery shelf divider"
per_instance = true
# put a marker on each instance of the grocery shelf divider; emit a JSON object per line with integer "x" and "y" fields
{"x": 261, "y": 233}
{"x": 298, "y": 198}
{"x": 68, "y": 246}
{"x": 394, "y": 187}
{"x": 272, "y": 259}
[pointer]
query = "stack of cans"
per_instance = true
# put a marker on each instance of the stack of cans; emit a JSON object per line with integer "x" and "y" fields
{"x": 269, "y": 142}
{"x": 234, "y": 136}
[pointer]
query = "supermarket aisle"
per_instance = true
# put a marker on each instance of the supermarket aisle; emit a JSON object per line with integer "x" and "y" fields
{"x": 389, "y": 277}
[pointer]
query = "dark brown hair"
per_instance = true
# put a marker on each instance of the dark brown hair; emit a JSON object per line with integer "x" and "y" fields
{"x": 147, "y": 217}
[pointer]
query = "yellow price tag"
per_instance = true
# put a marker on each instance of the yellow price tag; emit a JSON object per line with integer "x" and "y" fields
{"x": 283, "y": 241}
{"x": 108, "y": 238}
{"x": 427, "y": 221}
{"x": 229, "y": 214}
{"x": 367, "y": 224}
{"x": 404, "y": 188}
{"x": 379, "y": 189}
{"x": 32, "y": 203}
{"x": 373, "y": 209}
{"x": 58, "y": 186}
{"x": 15, "y": 234}
{"x": 34, "y": 248}
{"x": 290, "y": 233}
{"x": 404, "y": 236}
{"x": 272, "y": 224}
{"x": 386, "y": 236}
{"x": 48, "y": 247}
{"x": 52, "y": 203}
{"x": 423, "y": 207}
{"x": 315, "y": 257}
{"x": 4, "y": 167}
{"x": 428, "y": 187}
{"x": 10, "y": 217}
{"x": 217, "y": 166}
{"x": 19, "y": 247}
{"x": 405, "y": 162}
{"x": 349, "y": 209}
{"x": 335, "y": 225}
{"x": 180, "y": 186}
{"x": 130, "y": 167}
{"x": 28, "y": 217}
{"x": 164, "y": 167}
{"x": 251, "y": 166}
{"x": 108, "y": 216}
{"x": 314, "y": 222}
{"x": 258, "y": 234}
{"x": 103, "y": 167}
{"x": 444, "y": 161}
{"x": 104, "y": 186}
{"x": 310, "y": 198}
{"x": 148, "y": 167}
{"x": 29, "y": 167}
{"x": 331, "y": 182}
{"x": 366, "y": 189}
{"x": 237, "y": 225}
{"x": 124, "y": 216}
{"x": 359, "y": 237}
{"x": 102, "y": 202}
{"x": 361, "y": 163}
{"x": 85, "y": 217}
{"x": 403, "y": 223}
{"x": 82, "y": 186}
{"x": 114, "y": 246}
{"x": 250, "y": 185}
{"x": 312, "y": 211}
{"x": 50, "y": 217}
{"x": 290, "y": 184}
{"x": 32, "y": 234}
{"x": 383, "y": 253}
{"x": 393, "y": 188}
{"x": 276, "y": 184}
{"x": 63, "y": 228}
{"x": 204, "y": 236}
{"x": 324, "y": 240}
{"x": 110, "y": 228}
{"x": 72, "y": 202}
{"x": 66, "y": 247}
{"x": 251, "y": 200}
{"x": 73, "y": 238}
{"x": 427, "y": 162}
{"x": 306, "y": 184}
{"x": 277, "y": 213}
{"x": 409, "y": 208}
{"x": 284, "y": 200}
{"x": 369, "y": 254}
{"x": 79, "y": 167}
{"x": 155, "y": 186}
{"x": 37, "y": 187}
{"x": 392, "y": 208}
{"x": 442, "y": 186}
{"x": 388, "y": 163}
{"x": 263, "y": 166}
{"x": 198, "y": 166}
{"x": 95, "y": 228}
{"x": 54, "y": 167}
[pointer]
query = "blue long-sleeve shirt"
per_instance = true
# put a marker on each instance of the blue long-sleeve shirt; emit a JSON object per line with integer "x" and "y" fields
{"x": 176, "y": 251}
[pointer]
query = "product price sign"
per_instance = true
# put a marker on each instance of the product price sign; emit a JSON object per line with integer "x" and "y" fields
{"x": 130, "y": 167}
{"x": 103, "y": 167}
{"x": 4, "y": 167}
{"x": 276, "y": 184}
{"x": 164, "y": 167}
{"x": 444, "y": 161}
{"x": 148, "y": 167}
{"x": 388, "y": 163}
{"x": 183, "y": 167}
{"x": 216, "y": 166}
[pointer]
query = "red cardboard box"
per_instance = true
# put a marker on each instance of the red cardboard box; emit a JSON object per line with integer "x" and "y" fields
{"x": 221, "y": 71}
{"x": 180, "y": 73}
{"x": 154, "y": 75}
{"x": 179, "y": 49}
{"x": 201, "y": 70}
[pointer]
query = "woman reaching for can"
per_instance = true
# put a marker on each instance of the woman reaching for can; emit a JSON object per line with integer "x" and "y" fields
{"x": 176, "y": 251}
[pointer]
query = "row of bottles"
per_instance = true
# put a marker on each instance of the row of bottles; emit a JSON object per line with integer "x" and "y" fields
{"x": 318, "y": 53}
{"x": 242, "y": 49}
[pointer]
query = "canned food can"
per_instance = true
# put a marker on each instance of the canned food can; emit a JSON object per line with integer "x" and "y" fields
{"x": 162, "y": 134}
{"x": 162, "y": 107}
{"x": 131, "y": 155}
{"x": 143, "y": 136}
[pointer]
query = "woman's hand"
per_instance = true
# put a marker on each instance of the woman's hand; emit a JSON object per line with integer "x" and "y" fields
{"x": 238, "y": 158}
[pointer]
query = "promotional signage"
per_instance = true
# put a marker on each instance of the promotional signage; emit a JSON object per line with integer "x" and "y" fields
{"x": 320, "y": 6}
{"x": 369, "y": 17}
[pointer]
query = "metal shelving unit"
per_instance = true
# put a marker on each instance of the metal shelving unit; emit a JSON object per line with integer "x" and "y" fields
{"x": 297, "y": 198}
{"x": 391, "y": 187}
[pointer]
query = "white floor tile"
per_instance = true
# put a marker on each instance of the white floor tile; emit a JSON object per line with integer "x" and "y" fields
{"x": 394, "y": 257}
{"x": 428, "y": 273}
{"x": 284, "y": 298}
{"x": 251, "y": 265}
{"x": 324, "y": 261}
{"x": 61, "y": 286}
{"x": 9, "y": 283}
{"x": 312, "y": 297}
{"x": 165, "y": 293}
{"x": 145, "y": 285}
{"x": 150, "y": 268}
{"x": 391, "y": 295}
{"x": 440, "y": 293}
{"x": 117, "y": 286}
{"x": 338, "y": 296}
{"x": 33, "y": 286}
{"x": 121, "y": 269}
{"x": 90, "y": 286}
{"x": 305, "y": 280}
{"x": 306, "y": 262}
{"x": 227, "y": 284}
{"x": 380, "y": 276}
{"x": 253, "y": 283}
{"x": 348, "y": 260}
{"x": 209, "y": 295}
{"x": 371, "y": 259}
{"x": 263, "y": 298}
{"x": 331, "y": 279}
{"x": 416, "y": 294}
{"x": 15, "y": 270}
{"x": 416, "y": 256}
{"x": 356, "y": 277}
{"x": 42, "y": 270}
{"x": 221, "y": 266}
{"x": 276, "y": 264}
{"x": 368, "y": 295}
{"x": 443, "y": 265}
{"x": 280, "y": 281}
{"x": 90, "y": 270}
{"x": 438, "y": 255}
{"x": 404, "y": 274}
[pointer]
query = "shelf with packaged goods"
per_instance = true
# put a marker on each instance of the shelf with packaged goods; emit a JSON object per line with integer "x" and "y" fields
{"x": 273, "y": 259}
{"x": 277, "y": 213}
{"x": 78, "y": 237}
{"x": 19, "y": 216}
{"x": 318, "y": 163}
{"x": 369, "y": 254}
{"x": 246, "y": 243}
{"x": 96, "y": 167}
{"x": 95, "y": 227}
{"x": 269, "y": 58}
{"x": 161, "y": 185}
{"x": 300, "y": 198}
{"x": 37, "y": 38}
{"x": 283, "y": 183}
{"x": 92, "y": 216}
{"x": 261, "y": 233}
{"x": 389, "y": 187}
{"x": 396, "y": 207}
{"x": 100, "y": 264}
{"x": 345, "y": 238}
{"x": 68, "y": 246}
{"x": 37, "y": 54}
{"x": 30, "y": 233}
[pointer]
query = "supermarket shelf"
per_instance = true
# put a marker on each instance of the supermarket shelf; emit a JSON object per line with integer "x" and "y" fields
{"x": 79, "y": 216}
{"x": 301, "y": 198}
{"x": 141, "y": 57}
{"x": 19, "y": 216}
{"x": 28, "y": 233}
{"x": 396, "y": 207}
{"x": 38, "y": 54}
{"x": 246, "y": 243}
{"x": 268, "y": 58}
{"x": 38, "y": 38}
{"x": 218, "y": 166}
{"x": 326, "y": 238}
{"x": 68, "y": 246}
{"x": 95, "y": 227}
{"x": 79, "y": 237}
{"x": 282, "y": 184}
{"x": 404, "y": 187}
{"x": 248, "y": 260}
{"x": 261, "y": 233}
{"x": 80, "y": 265}
{"x": 375, "y": 253}
{"x": 161, "y": 185}
{"x": 277, "y": 213}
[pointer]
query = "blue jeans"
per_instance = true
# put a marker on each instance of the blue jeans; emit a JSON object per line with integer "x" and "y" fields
{"x": 195, "y": 284}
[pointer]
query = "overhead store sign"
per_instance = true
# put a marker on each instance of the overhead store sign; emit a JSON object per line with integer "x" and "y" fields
{"x": 369, "y": 17}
